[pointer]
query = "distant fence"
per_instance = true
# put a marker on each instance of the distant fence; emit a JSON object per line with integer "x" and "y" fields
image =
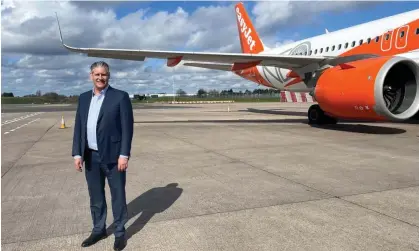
{"x": 36, "y": 100}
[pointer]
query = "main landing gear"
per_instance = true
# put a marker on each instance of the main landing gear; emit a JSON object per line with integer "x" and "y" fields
{"x": 316, "y": 116}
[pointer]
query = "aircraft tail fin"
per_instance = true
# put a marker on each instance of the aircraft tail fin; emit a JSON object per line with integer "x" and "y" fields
{"x": 249, "y": 39}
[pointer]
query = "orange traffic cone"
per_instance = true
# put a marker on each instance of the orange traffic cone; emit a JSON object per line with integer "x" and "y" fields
{"x": 62, "y": 123}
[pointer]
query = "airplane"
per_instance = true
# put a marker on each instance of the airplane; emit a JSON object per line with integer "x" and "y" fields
{"x": 368, "y": 71}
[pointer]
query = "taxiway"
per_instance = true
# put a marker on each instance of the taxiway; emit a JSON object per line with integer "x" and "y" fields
{"x": 241, "y": 176}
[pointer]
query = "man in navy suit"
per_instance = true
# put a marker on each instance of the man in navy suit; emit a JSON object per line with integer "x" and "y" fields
{"x": 103, "y": 134}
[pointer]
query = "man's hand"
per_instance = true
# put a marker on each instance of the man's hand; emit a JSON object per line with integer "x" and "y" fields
{"x": 122, "y": 164}
{"x": 78, "y": 164}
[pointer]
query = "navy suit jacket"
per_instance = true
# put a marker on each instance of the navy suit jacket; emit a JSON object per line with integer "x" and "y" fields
{"x": 114, "y": 129}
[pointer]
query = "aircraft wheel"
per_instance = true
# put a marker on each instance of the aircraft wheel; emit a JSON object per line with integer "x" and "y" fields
{"x": 317, "y": 116}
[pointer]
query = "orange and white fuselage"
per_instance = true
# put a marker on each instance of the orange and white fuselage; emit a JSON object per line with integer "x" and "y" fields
{"x": 365, "y": 72}
{"x": 396, "y": 35}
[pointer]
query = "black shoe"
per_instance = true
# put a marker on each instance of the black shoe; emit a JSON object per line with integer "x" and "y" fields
{"x": 119, "y": 244}
{"x": 93, "y": 238}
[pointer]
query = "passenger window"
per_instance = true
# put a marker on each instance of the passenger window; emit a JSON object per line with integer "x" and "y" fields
{"x": 340, "y": 46}
{"x": 346, "y": 45}
{"x": 321, "y": 50}
{"x": 353, "y": 43}
{"x": 315, "y": 51}
{"x": 311, "y": 52}
{"x": 417, "y": 31}
{"x": 327, "y": 49}
{"x": 360, "y": 41}
{"x": 387, "y": 36}
{"x": 402, "y": 34}
{"x": 369, "y": 40}
{"x": 377, "y": 39}
{"x": 333, "y": 48}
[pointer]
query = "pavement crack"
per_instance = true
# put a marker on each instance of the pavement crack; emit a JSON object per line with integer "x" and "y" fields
{"x": 248, "y": 164}
{"x": 212, "y": 214}
{"x": 378, "y": 191}
{"x": 296, "y": 182}
{"x": 179, "y": 218}
{"x": 380, "y": 213}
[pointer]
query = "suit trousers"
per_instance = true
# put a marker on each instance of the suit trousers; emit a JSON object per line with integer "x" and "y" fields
{"x": 95, "y": 177}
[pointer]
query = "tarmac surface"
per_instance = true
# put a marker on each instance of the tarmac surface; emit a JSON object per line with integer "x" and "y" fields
{"x": 241, "y": 176}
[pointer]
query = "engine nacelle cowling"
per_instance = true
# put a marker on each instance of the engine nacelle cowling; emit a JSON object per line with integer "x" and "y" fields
{"x": 382, "y": 88}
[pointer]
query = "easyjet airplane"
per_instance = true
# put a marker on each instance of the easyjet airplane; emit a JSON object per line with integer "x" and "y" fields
{"x": 365, "y": 72}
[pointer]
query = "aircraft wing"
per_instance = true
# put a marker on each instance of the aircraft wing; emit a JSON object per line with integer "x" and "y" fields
{"x": 239, "y": 60}
{"x": 212, "y": 66}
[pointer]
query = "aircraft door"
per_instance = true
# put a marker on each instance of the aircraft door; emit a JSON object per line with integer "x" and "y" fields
{"x": 386, "y": 41}
{"x": 401, "y": 37}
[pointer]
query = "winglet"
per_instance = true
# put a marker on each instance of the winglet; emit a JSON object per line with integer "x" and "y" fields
{"x": 59, "y": 28}
{"x": 62, "y": 40}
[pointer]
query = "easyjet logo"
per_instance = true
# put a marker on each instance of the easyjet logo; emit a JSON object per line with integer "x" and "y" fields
{"x": 246, "y": 31}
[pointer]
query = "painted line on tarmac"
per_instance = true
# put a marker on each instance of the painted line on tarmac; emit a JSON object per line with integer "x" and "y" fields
{"x": 39, "y": 157}
{"x": 20, "y": 118}
{"x": 22, "y": 126}
{"x": 47, "y": 105}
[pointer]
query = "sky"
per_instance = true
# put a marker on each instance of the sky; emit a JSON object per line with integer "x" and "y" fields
{"x": 33, "y": 59}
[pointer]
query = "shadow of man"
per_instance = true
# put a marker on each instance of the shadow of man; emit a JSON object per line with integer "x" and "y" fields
{"x": 155, "y": 200}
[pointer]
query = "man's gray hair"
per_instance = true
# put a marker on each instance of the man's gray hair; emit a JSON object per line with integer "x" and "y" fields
{"x": 99, "y": 64}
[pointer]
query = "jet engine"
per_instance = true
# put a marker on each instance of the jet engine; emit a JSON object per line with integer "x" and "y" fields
{"x": 381, "y": 88}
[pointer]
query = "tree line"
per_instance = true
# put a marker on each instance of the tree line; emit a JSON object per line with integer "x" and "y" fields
{"x": 214, "y": 92}
{"x": 38, "y": 97}
{"x": 53, "y": 97}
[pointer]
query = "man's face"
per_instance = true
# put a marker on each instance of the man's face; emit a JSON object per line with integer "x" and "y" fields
{"x": 100, "y": 77}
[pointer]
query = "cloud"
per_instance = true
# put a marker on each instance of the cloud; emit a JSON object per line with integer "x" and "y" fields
{"x": 273, "y": 16}
{"x": 33, "y": 58}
